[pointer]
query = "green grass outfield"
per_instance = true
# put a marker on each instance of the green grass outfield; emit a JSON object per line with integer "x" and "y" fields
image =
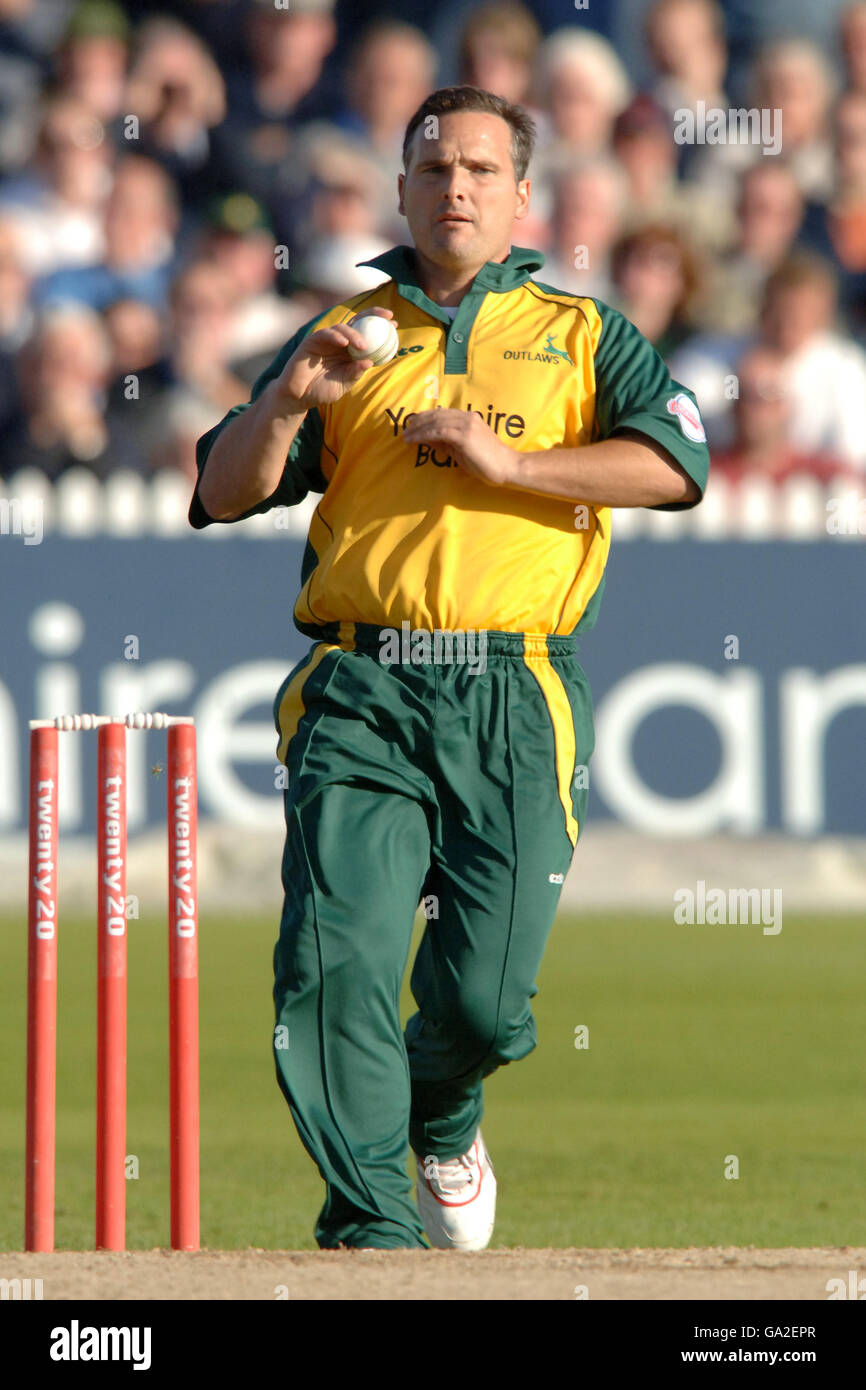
{"x": 704, "y": 1041}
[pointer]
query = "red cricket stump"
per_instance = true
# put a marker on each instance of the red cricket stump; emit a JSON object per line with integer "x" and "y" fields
{"x": 41, "y": 991}
{"x": 183, "y": 986}
{"x": 111, "y": 990}
{"x": 111, "y": 1043}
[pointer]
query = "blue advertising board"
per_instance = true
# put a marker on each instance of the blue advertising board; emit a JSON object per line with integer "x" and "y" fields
{"x": 729, "y": 677}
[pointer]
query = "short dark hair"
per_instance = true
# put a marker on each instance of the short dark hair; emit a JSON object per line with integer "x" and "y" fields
{"x": 799, "y": 270}
{"x": 467, "y": 98}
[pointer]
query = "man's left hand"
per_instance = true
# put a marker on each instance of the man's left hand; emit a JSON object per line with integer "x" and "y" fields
{"x": 468, "y": 439}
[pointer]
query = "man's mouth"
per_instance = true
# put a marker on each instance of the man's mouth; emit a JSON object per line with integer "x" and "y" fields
{"x": 453, "y": 217}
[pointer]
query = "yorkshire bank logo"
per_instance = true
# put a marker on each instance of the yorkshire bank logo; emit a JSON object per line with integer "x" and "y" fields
{"x": 550, "y": 355}
{"x": 509, "y": 423}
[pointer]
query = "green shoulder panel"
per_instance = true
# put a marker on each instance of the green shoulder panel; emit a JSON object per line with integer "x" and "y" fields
{"x": 302, "y": 473}
{"x": 635, "y": 391}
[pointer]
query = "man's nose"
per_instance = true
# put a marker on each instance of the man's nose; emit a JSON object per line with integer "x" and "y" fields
{"x": 455, "y": 183}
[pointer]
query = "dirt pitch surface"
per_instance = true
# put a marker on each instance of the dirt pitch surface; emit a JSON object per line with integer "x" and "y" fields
{"x": 722, "y": 1273}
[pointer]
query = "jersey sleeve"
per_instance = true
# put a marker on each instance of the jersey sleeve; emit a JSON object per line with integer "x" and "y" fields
{"x": 635, "y": 391}
{"x": 302, "y": 472}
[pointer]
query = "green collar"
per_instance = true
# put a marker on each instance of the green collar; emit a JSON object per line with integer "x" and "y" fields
{"x": 499, "y": 276}
{"x": 496, "y": 276}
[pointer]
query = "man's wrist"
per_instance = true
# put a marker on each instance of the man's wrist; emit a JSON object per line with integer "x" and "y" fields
{"x": 285, "y": 405}
{"x": 519, "y": 468}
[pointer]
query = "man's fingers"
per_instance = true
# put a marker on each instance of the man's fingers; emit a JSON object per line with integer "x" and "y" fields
{"x": 442, "y": 432}
{"x": 327, "y": 340}
{"x": 437, "y": 424}
{"x": 339, "y": 337}
{"x": 348, "y": 337}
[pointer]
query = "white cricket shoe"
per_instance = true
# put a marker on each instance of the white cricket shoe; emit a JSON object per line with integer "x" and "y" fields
{"x": 457, "y": 1199}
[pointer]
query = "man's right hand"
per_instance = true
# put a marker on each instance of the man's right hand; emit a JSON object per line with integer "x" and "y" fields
{"x": 247, "y": 458}
{"x": 320, "y": 370}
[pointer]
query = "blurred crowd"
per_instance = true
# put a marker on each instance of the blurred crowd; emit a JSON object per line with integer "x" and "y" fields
{"x": 183, "y": 185}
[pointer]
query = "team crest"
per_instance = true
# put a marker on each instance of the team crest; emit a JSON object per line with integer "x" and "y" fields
{"x": 689, "y": 417}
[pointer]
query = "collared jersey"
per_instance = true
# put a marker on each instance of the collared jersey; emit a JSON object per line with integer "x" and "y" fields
{"x": 402, "y": 532}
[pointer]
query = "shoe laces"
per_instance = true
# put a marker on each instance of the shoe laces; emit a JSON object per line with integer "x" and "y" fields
{"x": 451, "y": 1176}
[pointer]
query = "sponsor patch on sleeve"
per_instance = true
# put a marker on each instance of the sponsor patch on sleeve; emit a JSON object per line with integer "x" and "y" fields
{"x": 689, "y": 417}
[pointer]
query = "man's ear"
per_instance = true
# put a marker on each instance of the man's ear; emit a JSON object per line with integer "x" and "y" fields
{"x": 401, "y": 184}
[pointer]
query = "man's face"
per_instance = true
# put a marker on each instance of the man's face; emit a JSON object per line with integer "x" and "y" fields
{"x": 459, "y": 194}
{"x": 763, "y": 406}
{"x": 682, "y": 38}
{"x": 770, "y": 207}
{"x": 795, "y": 314}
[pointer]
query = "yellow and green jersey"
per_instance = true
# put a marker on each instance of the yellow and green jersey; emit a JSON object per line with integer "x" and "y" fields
{"x": 402, "y": 533}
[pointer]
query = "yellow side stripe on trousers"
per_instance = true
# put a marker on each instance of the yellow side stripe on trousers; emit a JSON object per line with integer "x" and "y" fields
{"x": 563, "y": 734}
{"x": 292, "y": 707}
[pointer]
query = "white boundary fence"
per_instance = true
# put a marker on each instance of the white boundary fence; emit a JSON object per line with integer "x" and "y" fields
{"x": 614, "y": 868}
{"x": 126, "y": 504}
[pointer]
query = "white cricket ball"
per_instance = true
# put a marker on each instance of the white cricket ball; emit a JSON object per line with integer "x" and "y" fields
{"x": 381, "y": 342}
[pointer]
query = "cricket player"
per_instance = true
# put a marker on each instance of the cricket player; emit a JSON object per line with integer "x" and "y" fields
{"x": 437, "y": 734}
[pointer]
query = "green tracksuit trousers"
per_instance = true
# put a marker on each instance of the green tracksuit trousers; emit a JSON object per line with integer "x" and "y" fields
{"x": 462, "y": 783}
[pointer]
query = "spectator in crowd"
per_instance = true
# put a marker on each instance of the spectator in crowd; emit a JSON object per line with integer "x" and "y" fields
{"x": 278, "y": 90}
{"x": 792, "y": 89}
{"x": 248, "y": 148}
{"x": 195, "y": 354}
{"x": 796, "y": 78}
{"x": 769, "y": 215}
{"x": 852, "y": 33}
{"x": 27, "y": 36}
{"x": 135, "y": 337}
{"x": 582, "y": 86}
{"x": 765, "y": 442}
{"x": 643, "y": 143}
{"x": 141, "y": 218}
{"x": 62, "y": 421}
{"x": 58, "y": 199}
{"x": 752, "y": 24}
{"x": 656, "y": 276}
{"x": 92, "y": 58}
{"x": 177, "y": 92}
{"x": 837, "y": 230}
{"x": 346, "y": 191}
{"x": 333, "y": 178}
{"x": 687, "y": 45}
{"x": 824, "y": 371}
{"x": 219, "y": 24}
{"x": 589, "y": 205}
{"x": 184, "y": 419}
{"x": 203, "y": 303}
{"x": 499, "y": 49}
{"x": 389, "y": 73}
{"x": 237, "y": 239}
{"x": 345, "y": 204}
{"x": 16, "y": 316}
